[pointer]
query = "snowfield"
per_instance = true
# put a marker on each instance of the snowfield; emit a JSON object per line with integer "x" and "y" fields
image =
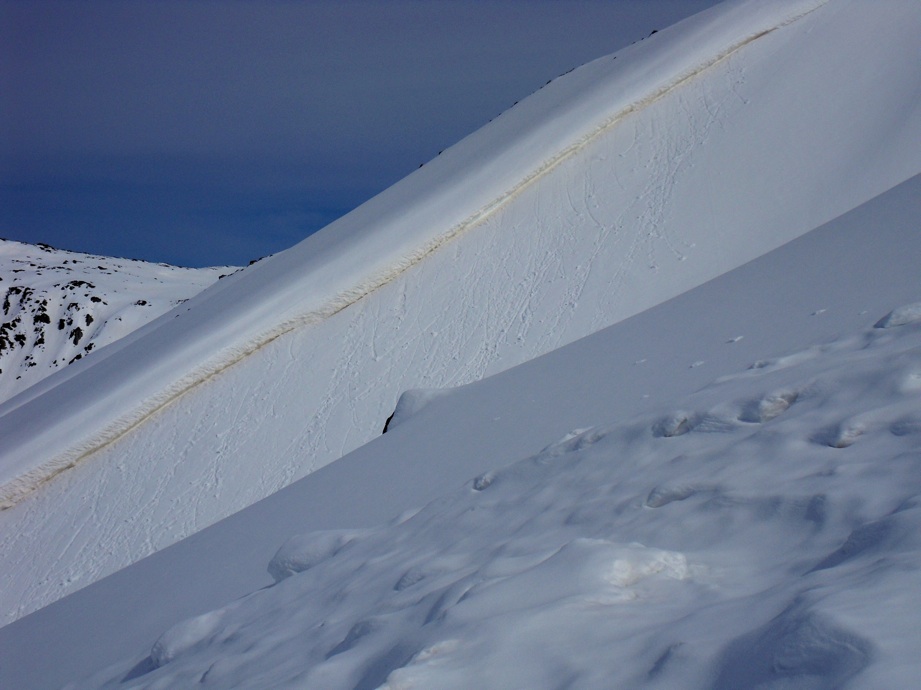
{"x": 731, "y": 364}
{"x": 764, "y": 532}
{"x": 616, "y": 187}
{"x": 58, "y": 305}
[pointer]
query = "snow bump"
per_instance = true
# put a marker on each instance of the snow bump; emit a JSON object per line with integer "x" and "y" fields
{"x": 906, "y": 314}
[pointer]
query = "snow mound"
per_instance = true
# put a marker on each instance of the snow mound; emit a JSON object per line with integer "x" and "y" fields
{"x": 303, "y": 552}
{"x": 743, "y": 554}
{"x": 183, "y": 638}
{"x": 411, "y": 402}
{"x": 909, "y": 313}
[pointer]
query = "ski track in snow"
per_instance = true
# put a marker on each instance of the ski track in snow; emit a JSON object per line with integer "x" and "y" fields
{"x": 763, "y": 531}
{"x": 580, "y": 248}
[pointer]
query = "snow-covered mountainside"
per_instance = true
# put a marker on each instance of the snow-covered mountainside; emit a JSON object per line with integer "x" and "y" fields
{"x": 621, "y": 185}
{"x": 765, "y": 532}
{"x": 708, "y": 532}
{"x": 60, "y": 305}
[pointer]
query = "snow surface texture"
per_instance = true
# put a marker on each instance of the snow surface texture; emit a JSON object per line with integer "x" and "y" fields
{"x": 616, "y": 187}
{"x": 765, "y": 532}
{"x": 836, "y": 280}
{"x": 60, "y": 305}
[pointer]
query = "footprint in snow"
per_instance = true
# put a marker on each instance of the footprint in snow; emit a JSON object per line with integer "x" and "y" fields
{"x": 841, "y": 435}
{"x": 768, "y": 407}
{"x": 906, "y": 426}
{"x": 302, "y": 552}
{"x": 483, "y": 482}
{"x": 676, "y": 424}
{"x": 662, "y": 496}
{"x": 577, "y": 439}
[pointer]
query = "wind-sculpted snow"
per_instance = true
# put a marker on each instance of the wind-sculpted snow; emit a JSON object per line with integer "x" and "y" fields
{"x": 745, "y": 552}
{"x": 614, "y": 188}
{"x": 58, "y": 306}
{"x": 411, "y": 402}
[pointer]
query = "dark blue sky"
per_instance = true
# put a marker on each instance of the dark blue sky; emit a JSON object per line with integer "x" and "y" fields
{"x": 203, "y": 132}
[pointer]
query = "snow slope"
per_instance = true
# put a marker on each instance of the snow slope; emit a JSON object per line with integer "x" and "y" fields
{"x": 60, "y": 305}
{"x": 765, "y": 533}
{"x": 760, "y": 544}
{"x": 616, "y": 187}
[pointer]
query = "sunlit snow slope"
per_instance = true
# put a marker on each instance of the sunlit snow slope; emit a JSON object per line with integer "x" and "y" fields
{"x": 616, "y": 187}
{"x": 60, "y": 305}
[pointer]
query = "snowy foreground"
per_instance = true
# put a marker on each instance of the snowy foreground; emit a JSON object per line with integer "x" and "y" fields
{"x": 618, "y": 186}
{"x": 765, "y": 532}
{"x": 59, "y": 306}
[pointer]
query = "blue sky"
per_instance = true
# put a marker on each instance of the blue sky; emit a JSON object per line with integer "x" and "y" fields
{"x": 204, "y": 132}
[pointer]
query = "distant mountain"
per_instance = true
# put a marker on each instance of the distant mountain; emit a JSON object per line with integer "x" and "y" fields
{"x": 58, "y": 305}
